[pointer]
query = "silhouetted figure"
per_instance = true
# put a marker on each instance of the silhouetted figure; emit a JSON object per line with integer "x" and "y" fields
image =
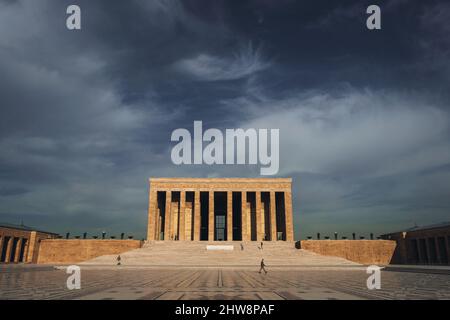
{"x": 242, "y": 247}
{"x": 262, "y": 267}
{"x": 118, "y": 260}
{"x": 261, "y": 245}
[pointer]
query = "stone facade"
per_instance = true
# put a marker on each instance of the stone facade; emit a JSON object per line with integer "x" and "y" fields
{"x": 215, "y": 209}
{"x": 378, "y": 252}
{"x": 20, "y": 243}
{"x": 422, "y": 245}
{"x": 78, "y": 250}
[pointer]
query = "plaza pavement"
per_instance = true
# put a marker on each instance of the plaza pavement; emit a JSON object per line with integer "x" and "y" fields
{"x": 181, "y": 283}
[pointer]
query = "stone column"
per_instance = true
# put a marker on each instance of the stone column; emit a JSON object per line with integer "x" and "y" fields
{"x": 17, "y": 253}
{"x": 157, "y": 220}
{"x": 197, "y": 218}
{"x": 259, "y": 217}
{"x": 152, "y": 205}
{"x": 211, "y": 216}
{"x": 182, "y": 227}
{"x": 288, "y": 214}
{"x": 273, "y": 217}
{"x": 188, "y": 221}
{"x": 174, "y": 220}
{"x": 244, "y": 214}
{"x": 8, "y": 249}
{"x": 167, "y": 215}
{"x": 32, "y": 247}
{"x": 158, "y": 227}
{"x": 25, "y": 250}
{"x": 230, "y": 216}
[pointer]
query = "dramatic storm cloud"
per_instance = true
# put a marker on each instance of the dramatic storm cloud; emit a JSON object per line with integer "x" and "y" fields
{"x": 86, "y": 116}
{"x": 210, "y": 68}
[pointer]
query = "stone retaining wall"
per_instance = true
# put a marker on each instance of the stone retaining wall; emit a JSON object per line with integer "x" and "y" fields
{"x": 379, "y": 252}
{"x": 78, "y": 250}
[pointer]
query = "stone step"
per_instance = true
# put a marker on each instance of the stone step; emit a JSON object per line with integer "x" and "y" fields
{"x": 194, "y": 253}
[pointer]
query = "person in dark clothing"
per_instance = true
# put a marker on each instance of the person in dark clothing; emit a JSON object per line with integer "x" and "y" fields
{"x": 261, "y": 245}
{"x": 262, "y": 267}
{"x": 242, "y": 247}
{"x": 118, "y": 260}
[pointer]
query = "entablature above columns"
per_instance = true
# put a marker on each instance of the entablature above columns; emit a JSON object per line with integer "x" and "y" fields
{"x": 221, "y": 184}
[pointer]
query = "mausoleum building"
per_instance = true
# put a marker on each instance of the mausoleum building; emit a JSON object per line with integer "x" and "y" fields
{"x": 220, "y": 209}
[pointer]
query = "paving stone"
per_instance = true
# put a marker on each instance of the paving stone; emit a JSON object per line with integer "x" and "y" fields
{"x": 219, "y": 283}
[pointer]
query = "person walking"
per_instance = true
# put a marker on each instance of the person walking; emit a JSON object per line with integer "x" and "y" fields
{"x": 261, "y": 245}
{"x": 242, "y": 247}
{"x": 262, "y": 267}
{"x": 118, "y": 260}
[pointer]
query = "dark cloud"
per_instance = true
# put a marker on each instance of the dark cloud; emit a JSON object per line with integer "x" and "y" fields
{"x": 86, "y": 116}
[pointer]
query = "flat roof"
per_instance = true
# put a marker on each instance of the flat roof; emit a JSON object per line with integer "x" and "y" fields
{"x": 421, "y": 228}
{"x": 230, "y": 180}
{"x": 22, "y": 227}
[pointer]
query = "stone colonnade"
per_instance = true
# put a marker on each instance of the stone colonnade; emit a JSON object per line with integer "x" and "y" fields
{"x": 18, "y": 245}
{"x": 216, "y": 209}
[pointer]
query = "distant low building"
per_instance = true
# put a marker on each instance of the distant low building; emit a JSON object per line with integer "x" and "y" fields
{"x": 19, "y": 243}
{"x": 422, "y": 245}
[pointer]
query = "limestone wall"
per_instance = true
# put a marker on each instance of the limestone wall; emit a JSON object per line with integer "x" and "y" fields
{"x": 78, "y": 250}
{"x": 379, "y": 252}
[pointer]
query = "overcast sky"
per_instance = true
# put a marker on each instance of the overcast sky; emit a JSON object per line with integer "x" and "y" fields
{"x": 86, "y": 116}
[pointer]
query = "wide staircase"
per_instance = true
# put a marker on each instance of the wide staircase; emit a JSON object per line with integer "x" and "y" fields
{"x": 195, "y": 253}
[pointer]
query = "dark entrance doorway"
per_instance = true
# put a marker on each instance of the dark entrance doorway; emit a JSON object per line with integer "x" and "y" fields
{"x": 237, "y": 216}
{"x": 280, "y": 215}
{"x": 204, "y": 215}
{"x": 220, "y": 228}
{"x": 220, "y": 214}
